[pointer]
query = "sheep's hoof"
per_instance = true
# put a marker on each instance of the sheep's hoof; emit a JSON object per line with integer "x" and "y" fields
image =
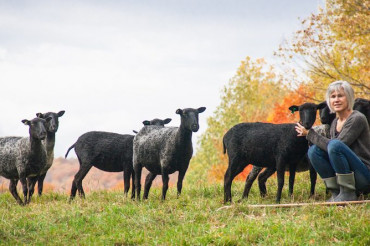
{"x": 241, "y": 199}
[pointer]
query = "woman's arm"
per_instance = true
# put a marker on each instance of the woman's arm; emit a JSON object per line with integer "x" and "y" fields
{"x": 312, "y": 136}
{"x": 351, "y": 130}
{"x": 318, "y": 140}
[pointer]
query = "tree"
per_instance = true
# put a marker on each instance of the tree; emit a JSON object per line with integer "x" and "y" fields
{"x": 332, "y": 45}
{"x": 249, "y": 96}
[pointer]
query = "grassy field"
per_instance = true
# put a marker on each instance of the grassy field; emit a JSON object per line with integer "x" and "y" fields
{"x": 198, "y": 217}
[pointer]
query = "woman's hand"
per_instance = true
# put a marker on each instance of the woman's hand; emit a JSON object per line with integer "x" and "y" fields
{"x": 301, "y": 130}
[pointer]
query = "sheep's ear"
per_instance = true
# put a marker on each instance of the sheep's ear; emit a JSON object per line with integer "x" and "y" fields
{"x": 321, "y": 105}
{"x": 146, "y": 122}
{"x": 26, "y": 122}
{"x": 60, "y": 113}
{"x": 39, "y": 115}
{"x": 168, "y": 120}
{"x": 201, "y": 109}
{"x": 179, "y": 111}
{"x": 134, "y": 131}
{"x": 293, "y": 108}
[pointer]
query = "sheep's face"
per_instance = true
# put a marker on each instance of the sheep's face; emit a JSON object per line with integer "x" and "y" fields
{"x": 37, "y": 127}
{"x": 325, "y": 116}
{"x": 189, "y": 118}
{"x": 156, "y": 122}
{"x": 53, "y": 124}
{"x": 307, "y": 113}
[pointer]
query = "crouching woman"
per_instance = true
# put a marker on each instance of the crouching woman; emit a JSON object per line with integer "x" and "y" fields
{"x": 343, "y": 161}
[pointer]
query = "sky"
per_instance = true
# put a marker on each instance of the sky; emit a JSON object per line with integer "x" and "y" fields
{"x": 113, "y": 64}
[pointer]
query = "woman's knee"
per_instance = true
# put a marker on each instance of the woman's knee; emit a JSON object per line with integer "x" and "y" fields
{"x": 334, "y": 145}
{"x": 314, "y": 152}
{"x": 316, "y": 155}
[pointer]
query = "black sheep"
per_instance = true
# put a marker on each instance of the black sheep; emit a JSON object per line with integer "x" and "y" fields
{"x": 326, "y": 118}
{"x": 107, "y": 151}
{"x": 274, "y": 146}
{"x": 363, "y": 105}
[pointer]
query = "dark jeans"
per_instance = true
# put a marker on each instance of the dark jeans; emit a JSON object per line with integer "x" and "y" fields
{"x": 339, "y": 159}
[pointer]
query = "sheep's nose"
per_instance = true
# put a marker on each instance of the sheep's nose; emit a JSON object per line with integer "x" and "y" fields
{"x": 194, "y": 127}
{"x": 42, "y": 135}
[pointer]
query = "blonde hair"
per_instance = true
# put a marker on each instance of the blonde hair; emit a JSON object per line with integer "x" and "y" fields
{"x": 348, "y": 92}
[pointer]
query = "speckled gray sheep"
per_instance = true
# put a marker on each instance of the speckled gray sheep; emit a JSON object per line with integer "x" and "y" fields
{"x": 23, "y": 157}
{"x": 165, "y": 150}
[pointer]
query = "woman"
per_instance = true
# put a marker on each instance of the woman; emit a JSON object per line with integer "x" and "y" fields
{"x": 343, "y": 161}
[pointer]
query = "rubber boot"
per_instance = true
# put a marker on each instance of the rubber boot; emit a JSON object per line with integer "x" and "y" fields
{"x": 347, "y": 187}
{"x": 332, "y": 185}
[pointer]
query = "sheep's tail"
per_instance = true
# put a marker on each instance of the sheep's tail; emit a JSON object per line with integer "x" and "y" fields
{"x": 69, "y": 150}
{"x": 223, "y": 143}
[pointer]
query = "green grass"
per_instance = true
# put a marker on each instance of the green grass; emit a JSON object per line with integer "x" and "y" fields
{"x": 108, "y": 218}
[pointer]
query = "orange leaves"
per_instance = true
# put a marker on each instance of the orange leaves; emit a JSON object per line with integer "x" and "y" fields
{"x": 280, "y": 112}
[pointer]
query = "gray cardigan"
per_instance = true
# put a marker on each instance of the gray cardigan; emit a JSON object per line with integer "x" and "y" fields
{"x": 355, "y": 134}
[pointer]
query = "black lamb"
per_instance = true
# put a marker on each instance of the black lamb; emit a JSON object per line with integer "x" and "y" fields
{"x": 274, "y": 146}
{"x": 305, "y": 116}
{"x": 107, "y": 151}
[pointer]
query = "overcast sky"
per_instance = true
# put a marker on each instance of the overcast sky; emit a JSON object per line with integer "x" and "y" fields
{"x": 112, "y": 64}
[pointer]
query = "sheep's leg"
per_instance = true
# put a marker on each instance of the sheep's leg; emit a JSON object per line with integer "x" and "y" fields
{"x": 126, "y": 181}
{"x": 179, "y": 182}
{"x": 133, "y": 185}
{"x": 292, "y": 172}
{"x": 313, "y": 178}
{"x": 137, "y": 170}
{"x": 24, "y": 188}
{"x": 148, "y": 183}
{"x": 40, "y": 183}
{"x": 13, "y": 190}
{"x": 280, "y": 177}
{"x": 82, "y": 175}
{"x": 231, "y": 172}
{"x": 262, "y": 179}
{"x": 250, "y": 179}
{"x": 165, "y": 179}
{"x": 31, "y": 182}
{"x": 77, "y": 182}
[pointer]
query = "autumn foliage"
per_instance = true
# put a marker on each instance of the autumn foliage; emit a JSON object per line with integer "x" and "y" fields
{"x": 280, "y": 113}
{"x": 331, "y": 45}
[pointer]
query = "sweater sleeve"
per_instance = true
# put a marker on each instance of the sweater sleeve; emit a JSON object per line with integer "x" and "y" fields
{"x": 317, "y": 139}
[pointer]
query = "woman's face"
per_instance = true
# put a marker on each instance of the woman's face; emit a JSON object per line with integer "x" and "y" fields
{"x": 338, "y": 101}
